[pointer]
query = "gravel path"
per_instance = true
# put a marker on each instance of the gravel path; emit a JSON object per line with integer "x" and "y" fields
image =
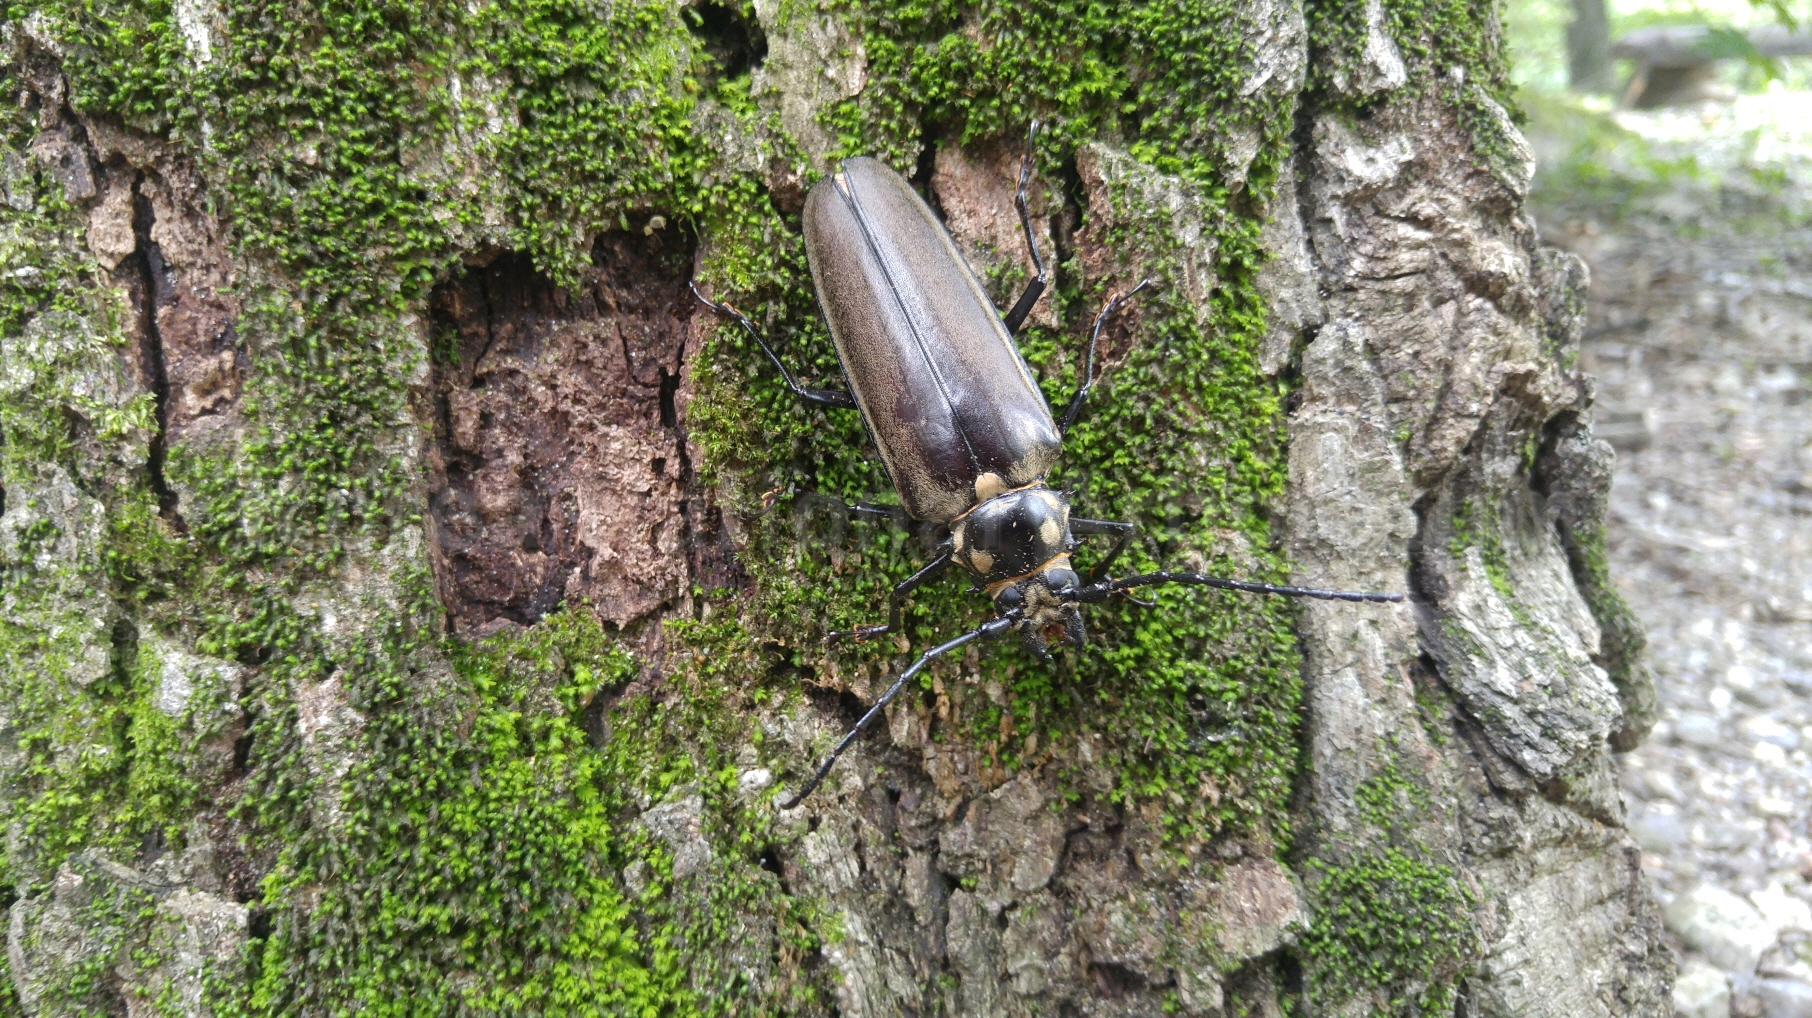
{"x": 1701, "y": 338}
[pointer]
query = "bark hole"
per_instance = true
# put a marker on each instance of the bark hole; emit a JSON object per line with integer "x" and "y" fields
{"x": 154, "y": 280}
{"x": 737, "y": 44}
{"x": 561, "y": 470}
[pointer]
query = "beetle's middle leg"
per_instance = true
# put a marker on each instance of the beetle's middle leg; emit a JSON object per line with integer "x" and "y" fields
{"x": 820, "y": 397}
{"x": 897, "y": 603}
{"x": 1023, "y": 307}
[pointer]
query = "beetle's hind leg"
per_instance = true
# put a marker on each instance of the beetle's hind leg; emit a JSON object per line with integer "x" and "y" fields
{"x": 897, "y": 603}
{"x": 820, "y": 397}
{"x": 1034, "y": 289}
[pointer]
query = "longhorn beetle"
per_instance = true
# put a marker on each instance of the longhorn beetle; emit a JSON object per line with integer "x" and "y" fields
{"x": 962, "y": 427}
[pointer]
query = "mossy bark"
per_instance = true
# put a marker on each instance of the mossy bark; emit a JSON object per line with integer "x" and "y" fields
{"x": 389, "y": 622}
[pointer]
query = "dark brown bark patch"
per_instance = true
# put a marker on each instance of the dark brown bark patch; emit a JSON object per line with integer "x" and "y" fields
{"x": 561, "y": 469}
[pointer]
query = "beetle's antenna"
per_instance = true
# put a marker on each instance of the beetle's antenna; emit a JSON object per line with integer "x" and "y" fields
{"x": 988, "y": 630}
{"x": 1098, "y": 592}
{"x": 1114, "y": 304}
{"x": 1016, "y": 317}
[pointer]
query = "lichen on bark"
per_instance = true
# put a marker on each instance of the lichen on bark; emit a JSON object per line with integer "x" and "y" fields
{"x": 382, "y": 616}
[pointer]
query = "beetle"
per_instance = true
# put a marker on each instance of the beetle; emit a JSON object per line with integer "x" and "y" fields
{"x": 963, "y": 430}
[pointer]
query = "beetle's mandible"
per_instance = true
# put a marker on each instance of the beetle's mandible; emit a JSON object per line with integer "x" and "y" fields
{"x": 961, "y": 425}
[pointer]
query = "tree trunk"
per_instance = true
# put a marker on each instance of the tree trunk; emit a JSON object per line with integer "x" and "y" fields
{"x": 1589, "y": 67}
{"x": 391, "y": 623}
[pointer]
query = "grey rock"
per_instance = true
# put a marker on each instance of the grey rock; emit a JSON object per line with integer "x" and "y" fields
{"x": 68, "y": 161}
{"x": 974, "y": 940}
{"x": 195, "y": 935}
{"x": 1699, "y": 730}
{"x": 1723, "y": 927}
{"x": 1410, "y": 276}
{"x": 1129, "y": 197}
{"x": 814, "y": 59}
{"x": 1787, "y": 960}
{"x": 1660, "y": 833}
{"x": 1701, "y": 991}
{"x": 1033, "y": 946}
{"x": 1287, "y": 279}
{"x": 1783, "y": 998}
{"x": 1769, "y": 730}
{"x": 1379, "y": 64}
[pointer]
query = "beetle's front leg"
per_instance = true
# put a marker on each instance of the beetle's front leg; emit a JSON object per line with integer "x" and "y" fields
{"x": 820, "y": 397}
{"x": 897, "y": 603}
{"x": 1125, "y": 531}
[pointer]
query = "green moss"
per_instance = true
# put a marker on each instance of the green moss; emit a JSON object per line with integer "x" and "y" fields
{"x": 1165, "y": 77}
{"x": 1391, "y": 922}
{"x": 1391, "y": 926}
{"x": 1478, "y": 525}
{"x": 1386, "y": 795}
{"x": 492, "y": 845}
{"x": 1447, "y": 45}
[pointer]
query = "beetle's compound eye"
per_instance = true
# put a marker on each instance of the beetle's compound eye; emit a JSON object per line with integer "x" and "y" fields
{"x": 1061, "y": 579}
{"x": 1009, "y": 599}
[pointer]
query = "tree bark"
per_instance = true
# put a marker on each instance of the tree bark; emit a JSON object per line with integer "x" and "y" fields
{"x": 414, "y": 599}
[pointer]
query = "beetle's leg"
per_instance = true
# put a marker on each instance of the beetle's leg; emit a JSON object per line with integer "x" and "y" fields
{"x": 1124, "y": 530}
{"x": 821, "y": 397}
{"x": 890, "y": 513}
{"x": 897, "y": 603}
{"x": 1114, "y": 303}
{"x": 1098, "y": 592}
{"x": 1023, "y": 307}
{"x": 986, "y": 629}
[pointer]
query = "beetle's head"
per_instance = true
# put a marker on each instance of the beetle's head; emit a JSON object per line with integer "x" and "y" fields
{"x": 1018, "y": 546}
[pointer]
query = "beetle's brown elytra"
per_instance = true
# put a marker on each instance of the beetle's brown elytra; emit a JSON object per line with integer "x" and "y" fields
{"x": 961, "y": 425}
